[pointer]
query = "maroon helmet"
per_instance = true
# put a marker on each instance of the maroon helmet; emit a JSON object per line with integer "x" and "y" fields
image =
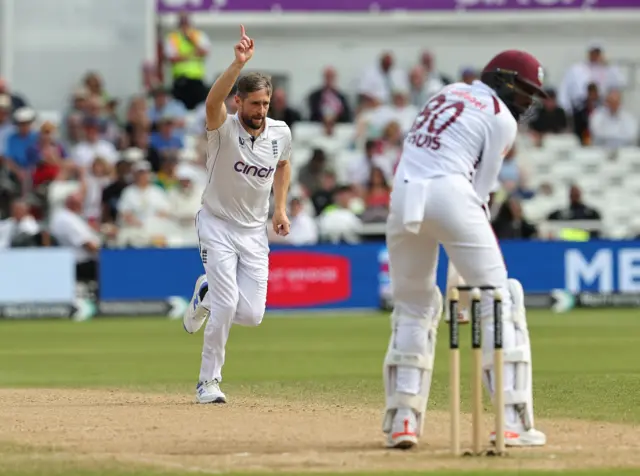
{"x": 516, "y": 77}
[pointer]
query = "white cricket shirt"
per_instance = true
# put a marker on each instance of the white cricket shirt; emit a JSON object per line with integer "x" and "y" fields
{"x": 241, "y": 168}
{"x": 462, "y": 130}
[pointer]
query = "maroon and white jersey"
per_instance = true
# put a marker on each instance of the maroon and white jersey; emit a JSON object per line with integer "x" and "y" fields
{"x": 463, "y": 130}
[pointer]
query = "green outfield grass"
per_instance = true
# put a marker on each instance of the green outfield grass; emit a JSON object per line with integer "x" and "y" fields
{"x": 586, "y": 363}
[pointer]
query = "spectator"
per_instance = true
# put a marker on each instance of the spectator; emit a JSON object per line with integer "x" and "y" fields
{"x": 550, "y": 119}
{"x": 392, "y": 140}
{"x": 71, "y": 131}
{"x": 573, "y": 89}
{"x": 310, "y": 175}
{"x": 185, "y": 198}
{"x": 186, "y": 49}
{"x": 138, "y": 118}
{"x": 304, "y": 229}
{"x": 20, "y": 227}
{"x": 48, "y": 155}
{"x": 71, "y": 231}
{"x": 611, "y": 126}
{"x": 93, "y": 146}
{"x": 95, "y": 86}
{"x": 510, "y": 223}
{"x": 166, "y": 177}
{"x": 359, "y": 171}
{"x": 109, "y": 127}
{"x": 185, "y": 203}
{"x": 10, "y": 186}
{"x": 19, "y": 142}
{"x": 428, "y": 63}
{"x": 165, "y": 106}
{"x": 328, "y": 101}
{"x": 280, "y": 109}
{"x": 112, "y": 192}
{"x": 142, "y": 140}
{"x": 576, "y": 210}
{"x": 17, "y": 101}
{"x": 95, "y": 180}
{"x": 376, "y": 81}
{"x": 512, "y": 177}
{"x": 422, "y": 86}
{"x": 583, "y": 112}
{"x": 400, "y": 110}
{"x": 377, "y": 196}
{"x": 6, "y": 126}
{"x": 468, "y": 75}
{"x": 144, "y": 208}
{"x": 337, "y": 223}
{"x": 166, "y": 139}
{"x": 323, "y": 197}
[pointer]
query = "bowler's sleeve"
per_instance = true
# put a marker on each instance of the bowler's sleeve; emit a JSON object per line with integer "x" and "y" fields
{"x": 286, "y": 150}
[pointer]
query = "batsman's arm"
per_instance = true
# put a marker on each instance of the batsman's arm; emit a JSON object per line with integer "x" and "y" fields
{"x": 500, "y": 138}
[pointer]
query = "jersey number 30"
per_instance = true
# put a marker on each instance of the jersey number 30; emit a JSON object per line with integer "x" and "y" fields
{"x": 434, "y": 110}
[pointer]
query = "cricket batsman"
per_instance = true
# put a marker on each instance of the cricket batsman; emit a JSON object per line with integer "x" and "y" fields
{"x": 449, "y": 165}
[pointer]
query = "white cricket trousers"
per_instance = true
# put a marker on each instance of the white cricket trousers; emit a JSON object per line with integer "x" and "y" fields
{"x": 236, "y": 261}
{"x": 444, "y": 210}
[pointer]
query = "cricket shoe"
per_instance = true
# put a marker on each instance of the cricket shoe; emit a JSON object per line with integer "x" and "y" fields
{"x": 209, "y": 392}
{"x": 531, "y": 437}
{"x": 403, "y": 435}
{"x": 195, "y": 314}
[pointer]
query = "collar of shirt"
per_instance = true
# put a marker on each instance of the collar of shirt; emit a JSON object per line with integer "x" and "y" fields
{"x": 263, "y": 135}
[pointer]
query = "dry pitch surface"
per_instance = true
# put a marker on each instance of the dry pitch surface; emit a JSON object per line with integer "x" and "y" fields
{"x": 171, "y": 432}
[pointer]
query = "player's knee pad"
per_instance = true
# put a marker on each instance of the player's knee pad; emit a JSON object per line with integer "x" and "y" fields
{"x": 412, "y": 346}
{"x": 516, "y": 353}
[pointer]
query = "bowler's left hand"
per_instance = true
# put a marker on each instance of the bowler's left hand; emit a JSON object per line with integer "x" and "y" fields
{"x": 281, "y": 223}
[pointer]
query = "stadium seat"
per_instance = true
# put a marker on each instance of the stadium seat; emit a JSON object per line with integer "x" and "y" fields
{"x": 566, "y": 171}
{"x": 589, "y": 160}
{"x": 304, "y": 133}
{"x": 560, "y": 142}
{"x": 629, "y": 156}
{"x": 343, "y": 159}
{"x": 345, "y": 133}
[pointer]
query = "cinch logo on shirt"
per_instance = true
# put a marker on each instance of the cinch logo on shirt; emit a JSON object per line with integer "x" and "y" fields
{"x": 246, "y": 169}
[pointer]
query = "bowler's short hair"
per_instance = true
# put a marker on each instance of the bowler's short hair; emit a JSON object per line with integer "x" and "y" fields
{"x": 252, "y": 82}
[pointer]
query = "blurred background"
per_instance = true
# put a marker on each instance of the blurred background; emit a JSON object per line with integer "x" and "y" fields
{"x": 102, "y": 145}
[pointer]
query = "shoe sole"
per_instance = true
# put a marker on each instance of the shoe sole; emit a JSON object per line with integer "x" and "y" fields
{"x": 196, "y": 290}
{"x": 403, "y": 444}
{"x": 217, "y": 400}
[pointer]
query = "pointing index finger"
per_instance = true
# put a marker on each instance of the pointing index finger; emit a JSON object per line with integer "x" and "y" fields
{"x": 242, "y": 30}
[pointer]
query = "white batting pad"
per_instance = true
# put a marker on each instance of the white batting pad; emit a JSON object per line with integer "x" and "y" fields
{"x": 408, "y": 365}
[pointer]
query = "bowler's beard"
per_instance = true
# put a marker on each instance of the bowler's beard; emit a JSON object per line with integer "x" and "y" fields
{"x": 251, "y": 123}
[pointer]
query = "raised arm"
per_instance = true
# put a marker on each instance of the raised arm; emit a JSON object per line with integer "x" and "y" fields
{"x": 215, "y": 107}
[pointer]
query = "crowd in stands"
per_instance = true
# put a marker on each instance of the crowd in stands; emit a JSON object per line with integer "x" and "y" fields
{"x": 113, "y": 171}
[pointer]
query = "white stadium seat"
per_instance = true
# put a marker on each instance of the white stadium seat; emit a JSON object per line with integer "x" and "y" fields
{"x": 304, "y": 133}
{"x": 560, "y": 142}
